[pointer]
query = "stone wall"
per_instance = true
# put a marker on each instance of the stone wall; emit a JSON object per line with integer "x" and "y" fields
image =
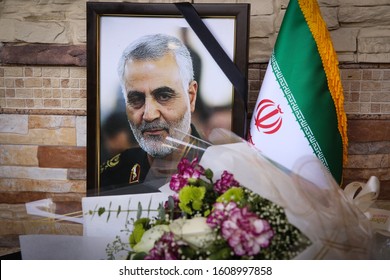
{"x": 43, "y": 96}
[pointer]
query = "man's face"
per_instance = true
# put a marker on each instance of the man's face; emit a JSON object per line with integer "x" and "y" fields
{"x": 156, "y": 103}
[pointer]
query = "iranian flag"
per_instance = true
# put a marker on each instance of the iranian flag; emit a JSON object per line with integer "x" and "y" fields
{"x": 299, "y": 112}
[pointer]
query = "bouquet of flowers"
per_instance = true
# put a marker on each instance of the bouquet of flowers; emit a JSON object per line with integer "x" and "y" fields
{"x": 204, "y": 219}
{"x": 232, "y": 204}
{"x": 236, "y": 204}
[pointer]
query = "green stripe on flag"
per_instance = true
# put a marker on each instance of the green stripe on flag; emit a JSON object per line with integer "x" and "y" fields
{"x": 299, "y": 116}
{"x": 300, "y": 63}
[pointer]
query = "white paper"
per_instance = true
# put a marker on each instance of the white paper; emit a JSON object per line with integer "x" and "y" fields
{"x": 113, "y": 224}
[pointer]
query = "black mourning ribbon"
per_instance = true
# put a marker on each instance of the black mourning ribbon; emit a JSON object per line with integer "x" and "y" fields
{"x": 207, "y": 38}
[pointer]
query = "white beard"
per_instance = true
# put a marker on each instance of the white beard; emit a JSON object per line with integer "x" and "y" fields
{"x": 158, "y": 146}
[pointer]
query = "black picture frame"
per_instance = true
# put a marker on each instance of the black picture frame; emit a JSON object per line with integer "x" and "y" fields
{"x": 131, "y": 17}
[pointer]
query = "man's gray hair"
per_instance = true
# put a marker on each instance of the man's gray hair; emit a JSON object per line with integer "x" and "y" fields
{"x": 152, "y": 47}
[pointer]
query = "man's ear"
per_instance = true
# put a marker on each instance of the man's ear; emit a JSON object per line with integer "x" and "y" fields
{"x": 192, "y": 92}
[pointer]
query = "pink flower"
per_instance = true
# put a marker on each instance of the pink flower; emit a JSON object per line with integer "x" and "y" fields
{"x": 166, "y": 248}
{"x": 219, "y": 213}
{"x": 177, "y": 182}
{"x": 245, "y": 232}
{"x": 190, "y": 169}
{"x": 186, "y": 170}
{"x": 227, "y": 181}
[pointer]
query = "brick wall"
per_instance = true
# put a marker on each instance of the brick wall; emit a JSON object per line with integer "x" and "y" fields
{"x": 43, "y": 98}
{"x": 43, "y": 88}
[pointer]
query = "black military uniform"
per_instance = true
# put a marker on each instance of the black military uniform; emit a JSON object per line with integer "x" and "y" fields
{"x": 129, "y": 167}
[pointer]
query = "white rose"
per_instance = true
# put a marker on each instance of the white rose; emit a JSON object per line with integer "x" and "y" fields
{"x": 150, "y": 237}
{"x": 194, "y": 231}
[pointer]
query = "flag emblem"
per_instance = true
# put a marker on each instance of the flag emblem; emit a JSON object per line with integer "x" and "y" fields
{"x": 268, "y": 116}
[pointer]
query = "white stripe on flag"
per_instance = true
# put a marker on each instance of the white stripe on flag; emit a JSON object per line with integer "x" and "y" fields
{"x": 275, "y": 130}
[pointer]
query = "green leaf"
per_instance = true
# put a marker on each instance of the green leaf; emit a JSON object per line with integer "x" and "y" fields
{"x": 150, "y": 203}
{"x": 171, "y": 203}
{"x": 161, "y": 212}
{"x": 139, "y": 211}
{"x": 138, "y": 256}
{"x": 94, "y": 211}
{"x": 101, "y": 211}
{"x": 223, "y": 254}
{"x": 209, "y": 174}
{"x": 128, "y": 212}
{"x": 119, "y": 211}
{"x": 136, "y": 235}
{"x": 189, "y": 252}
{"x": 171, "y": 207}
{"x": 109, "y": 211}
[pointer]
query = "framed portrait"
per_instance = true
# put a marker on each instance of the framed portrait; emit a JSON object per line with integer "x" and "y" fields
{"x": 220, "y": 102}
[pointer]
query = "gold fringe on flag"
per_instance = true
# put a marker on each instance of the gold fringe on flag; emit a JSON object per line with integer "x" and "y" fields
{"x": 318, "y": 28}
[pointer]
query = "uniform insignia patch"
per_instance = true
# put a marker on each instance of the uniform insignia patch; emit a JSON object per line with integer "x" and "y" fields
{"x": 135, "y": 174}
{"x": 114, "y": 161}
{"x": 110, "y": 163}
